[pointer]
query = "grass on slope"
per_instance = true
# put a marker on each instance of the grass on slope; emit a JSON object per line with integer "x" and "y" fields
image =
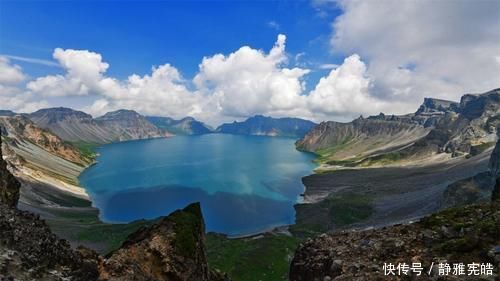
{"x": 87, "y": 149}
{"x": 85, "y": 227}
{"x": 265, "y": 258}
{"x": 338, "y": 211}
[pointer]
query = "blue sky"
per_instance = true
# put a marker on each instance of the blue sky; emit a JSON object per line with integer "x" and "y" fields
{"x": 220, "y": 61}
{"x": 133, "y": 36}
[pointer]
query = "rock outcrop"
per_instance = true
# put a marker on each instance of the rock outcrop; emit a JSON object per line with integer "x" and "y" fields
{"x": 495, "y": 171}
{"x": 9, "y": 186}
{"x": 172, "y": 249}
{"x": 464, "y": 235}
{"x": 267, "y": 126}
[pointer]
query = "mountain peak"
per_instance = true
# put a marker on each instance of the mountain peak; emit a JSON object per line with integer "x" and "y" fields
{"x": 56, "y": 114}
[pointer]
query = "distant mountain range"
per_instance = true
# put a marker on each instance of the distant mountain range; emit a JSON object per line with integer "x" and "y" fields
{"x": 185, "y": 126}
{"x": 465, "y": 128}
{"x": 122, "y": 125}
{"x": 267, "y": 126}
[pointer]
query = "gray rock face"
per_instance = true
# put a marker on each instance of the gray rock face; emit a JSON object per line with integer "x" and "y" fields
{"x": 495, "y": 171}
{"x": 455, "y": 235}
{"x": 77, "y": 126}
{"x": 129, "y": 125}
{"x": 9, "y": 186}
{"x": 495, "y": 161}
{"x": 172, "y": 249}
{"x": 455, "y": 128}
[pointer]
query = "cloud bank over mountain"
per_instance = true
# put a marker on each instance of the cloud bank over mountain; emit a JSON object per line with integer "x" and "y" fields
{"x": 395, "y": 55}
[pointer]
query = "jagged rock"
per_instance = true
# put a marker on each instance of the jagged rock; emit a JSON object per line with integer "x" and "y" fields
{"x": 438, "y": 126}
{"x": 455, "y": 235}
{"x": 171, "y": 249}
{"x": 9, "y": 186}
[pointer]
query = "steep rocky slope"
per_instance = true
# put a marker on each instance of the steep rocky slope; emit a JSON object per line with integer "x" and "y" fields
{"x": 184, "y": 126}
{"x": 466, "y": 235}
{"x": 129, "y": 125}
{"x": 360, "y": 138}
{"x": 438, "y": 129}
{"x": 37, "y": 155}
{"x": 77, "y": 126}
{"x": 9, "y": 186}
{"x": 71, "y": 125}
{"x": 267, "y": 126}
{"x": 20, "y": 130}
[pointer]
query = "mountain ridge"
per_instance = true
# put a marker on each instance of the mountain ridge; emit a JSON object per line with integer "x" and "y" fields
{"x": 268, "y": 126}
{"x": 439, "y": 129}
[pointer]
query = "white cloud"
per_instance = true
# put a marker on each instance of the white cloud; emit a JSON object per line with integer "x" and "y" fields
{"x": 9, "y": 73}
{"x": 162, "y": 93}
{"x": 249, "y": 81}
{"x": 328, "y": 66}
{"x": 423, "y": 48}
{"x": 84, "y": 70}
{"x": 346, "y": 93}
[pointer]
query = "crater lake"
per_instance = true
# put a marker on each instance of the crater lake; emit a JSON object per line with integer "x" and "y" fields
{"x": 246, "y": 184}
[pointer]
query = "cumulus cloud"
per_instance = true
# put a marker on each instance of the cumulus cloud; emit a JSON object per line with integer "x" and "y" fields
{"x": 164, "y": 92}
{"x": 9, "y": 73}
{"x": 249, "y": 81}
{"x": 84, "y": 70}
{"x": 422, "y": 48}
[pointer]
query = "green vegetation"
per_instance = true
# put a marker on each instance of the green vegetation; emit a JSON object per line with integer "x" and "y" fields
{"x": 112, "y": 235}
{"x": 265, "y": 257}
{"x": 87, "y": 149}
{"x": 328, "y": 154}
{"x": 462, "y": 233}
{"x": 188, "y": 226}
{"x": 337, "y": 211}
{"x": 383, "y": 159}
{"x": 348, "y": 208}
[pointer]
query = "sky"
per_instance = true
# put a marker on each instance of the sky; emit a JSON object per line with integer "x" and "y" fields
{"x": 220, "y": 61}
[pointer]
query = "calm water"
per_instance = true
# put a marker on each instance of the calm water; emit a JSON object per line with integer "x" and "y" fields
{"x": 245, "y": 183}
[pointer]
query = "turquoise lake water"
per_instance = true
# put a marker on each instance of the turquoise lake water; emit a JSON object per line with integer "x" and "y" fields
{"x": 245, "y": 184}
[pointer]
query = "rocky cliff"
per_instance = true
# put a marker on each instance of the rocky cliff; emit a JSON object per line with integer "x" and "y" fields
{"x": 9, "y": 186}
{"x": 71, "y": 125}
{"x": 267, "y": 126}
{"x": 172, "y": 249}
{"x": 77, "y": 126}
{"x": 184, "y": 126}
{"x": 438, "y": 128}
{"x": 21, "y": 131}
{"x": 129, "y": 125}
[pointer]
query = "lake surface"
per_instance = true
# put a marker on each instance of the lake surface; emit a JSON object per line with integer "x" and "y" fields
{"x": 245, "y": 184}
